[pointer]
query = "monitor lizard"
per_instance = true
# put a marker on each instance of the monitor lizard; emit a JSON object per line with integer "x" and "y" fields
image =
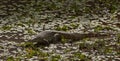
{"x": 47, "y": 37}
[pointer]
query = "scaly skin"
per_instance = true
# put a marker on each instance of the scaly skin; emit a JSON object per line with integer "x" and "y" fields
{"x": 46, "y": 37}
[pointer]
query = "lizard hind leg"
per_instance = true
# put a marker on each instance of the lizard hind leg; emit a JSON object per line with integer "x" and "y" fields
{"x": 57, "y": 38}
